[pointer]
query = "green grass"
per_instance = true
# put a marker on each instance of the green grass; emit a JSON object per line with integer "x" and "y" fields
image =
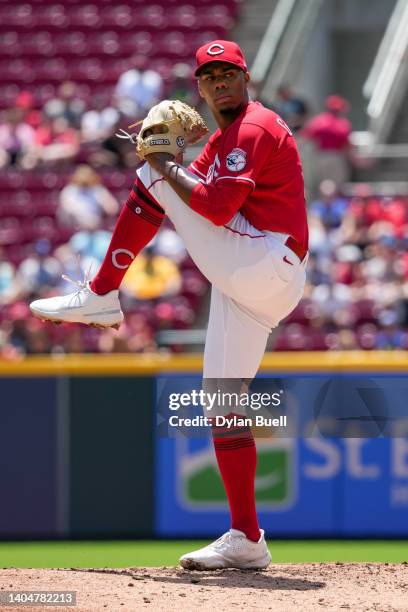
{"x": 157, "y": 553}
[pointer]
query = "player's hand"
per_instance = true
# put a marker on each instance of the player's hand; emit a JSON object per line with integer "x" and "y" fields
{"x": 158, "y": 160}
{"x": 196, "y": 133}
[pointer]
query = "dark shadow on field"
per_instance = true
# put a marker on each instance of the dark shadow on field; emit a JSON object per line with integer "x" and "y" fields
{"x": 232, "y": 578}
{"x": 242, "y": 579}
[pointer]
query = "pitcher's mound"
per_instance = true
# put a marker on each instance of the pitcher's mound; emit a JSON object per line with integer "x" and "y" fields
{"x": 281, "y": 588}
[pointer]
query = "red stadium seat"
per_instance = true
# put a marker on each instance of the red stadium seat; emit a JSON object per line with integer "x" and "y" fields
{"x": 16, "y": 204}
{"x": 154, "y": 16}
{"x": 121, "y": 16}
{"x": 17, "y": 15}
{"x": 10, "y": 231}
{"x": 38, "y": 43}
{"x": 364, "y": 311}
{"x": 142, "y": 42}
{"x": 85, "y": 15}
{"x": 55, "y": 69}
{"x": 10, "y": 44}
{"x": 40, "y": 227}
{"x": 173, "y": 44}
{"x": 53, "y": 15}
{"x": 72, "y": 42}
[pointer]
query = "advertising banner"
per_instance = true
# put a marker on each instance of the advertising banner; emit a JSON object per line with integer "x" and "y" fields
{"x": 308, "y": 483}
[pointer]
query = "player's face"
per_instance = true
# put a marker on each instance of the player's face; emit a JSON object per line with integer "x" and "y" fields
{"x": 223, "y": 86}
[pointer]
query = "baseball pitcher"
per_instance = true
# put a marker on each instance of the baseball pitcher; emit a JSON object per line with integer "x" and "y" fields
{"x": 240, "y": 210}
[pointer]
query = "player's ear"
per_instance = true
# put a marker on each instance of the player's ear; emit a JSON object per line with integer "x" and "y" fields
{"x": 199, "y": 89}
{"x": 247, "y": 77}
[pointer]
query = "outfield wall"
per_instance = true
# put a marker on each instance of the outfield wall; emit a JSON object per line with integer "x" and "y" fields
{"x": 80, "y": 456}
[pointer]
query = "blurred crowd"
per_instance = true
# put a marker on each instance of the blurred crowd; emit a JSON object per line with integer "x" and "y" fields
{"x": 162, "y": 290}
{"x": 357, "y": 289}
{"x": 71, "y": 128}
{"x": 42, "y": 245}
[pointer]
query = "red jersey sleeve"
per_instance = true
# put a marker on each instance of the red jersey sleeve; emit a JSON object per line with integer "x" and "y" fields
{"x": 244, "y": 154}
{"x": 219, "y": 203}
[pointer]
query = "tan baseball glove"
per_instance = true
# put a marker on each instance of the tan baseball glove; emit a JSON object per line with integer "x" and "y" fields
{"x": 169, "y": 127}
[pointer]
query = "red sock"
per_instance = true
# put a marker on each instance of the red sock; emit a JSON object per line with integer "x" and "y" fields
{"x": 236, "y": 456}
{"x": 138, "y": 222}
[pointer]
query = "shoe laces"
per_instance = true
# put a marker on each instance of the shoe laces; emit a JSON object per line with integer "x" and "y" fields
{"x": 224, "y": 539}
{"x": 81, "y": 284}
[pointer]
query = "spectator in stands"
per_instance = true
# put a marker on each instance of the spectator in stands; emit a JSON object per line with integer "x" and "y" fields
{"x": 181, "y": 87}
{"x": 74, "y": 341}
{"x": 98, "y": 127}
{"x": 16, "y": 335}
{"x": 137, "y": 90}
{"x": 152, "y": 276}
{"x": 330, "y": 207}
{"x": 25, "y": 102}
{"x": 67, "y": 105}
{"x": 83, "y": 253}
{"x": 37, "y": 338}
{"x": 98, "y": 122}
{"x": 17, "y": 137}
{"x": 84, "y": 201}
{"x": 169, "y": 244}
{"x": 55, "y": 143}
{"x": 330, "y": 132}
{"x": 135, "y": 336}
{"x": 8, "y": 285}
{"x": 39, "y": 271}
{"x": 292, "y": 108}
{"x": 390, "y": 335}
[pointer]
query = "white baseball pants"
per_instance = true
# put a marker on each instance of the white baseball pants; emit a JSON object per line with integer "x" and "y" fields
{"x": 253, "y": 288}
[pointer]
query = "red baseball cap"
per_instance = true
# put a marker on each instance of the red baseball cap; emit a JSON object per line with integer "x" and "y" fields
{"x": 337, "y": 104}
{"x": 220, "y": 51}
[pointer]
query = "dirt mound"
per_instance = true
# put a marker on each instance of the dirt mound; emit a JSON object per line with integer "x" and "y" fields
{"x": 282, "y": 588}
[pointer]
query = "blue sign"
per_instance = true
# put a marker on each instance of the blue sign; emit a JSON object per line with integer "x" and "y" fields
{"x": 305, "y": 486}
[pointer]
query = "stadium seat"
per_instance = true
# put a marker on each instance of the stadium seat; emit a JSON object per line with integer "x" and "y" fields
{"x": 10, "y": 44}
{"x": 366, "y": 336}
{"x": 72, "y": 43}
{"x": 39, "y": 227}
{"x": 53, "y": 15}
{"x": 10, "y": 231}
{"x": 17, "y": 203}
{"x": 38, "y": 44}
{"x": 86, "y": 15}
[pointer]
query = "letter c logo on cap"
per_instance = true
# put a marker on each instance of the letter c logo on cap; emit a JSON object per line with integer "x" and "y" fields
{"x": 215, "y": 49}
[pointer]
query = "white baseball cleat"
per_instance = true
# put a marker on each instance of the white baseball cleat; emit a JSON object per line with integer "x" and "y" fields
{"x": 83, "y": 306}
{"x": 233, "y": 549}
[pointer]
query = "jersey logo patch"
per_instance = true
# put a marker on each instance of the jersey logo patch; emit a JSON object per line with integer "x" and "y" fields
{"x": 236, "y": 160}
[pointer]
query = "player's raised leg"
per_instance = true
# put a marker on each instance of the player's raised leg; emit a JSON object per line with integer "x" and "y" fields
{"x": 97, "y": 302}
{"x": 241, "y": 261}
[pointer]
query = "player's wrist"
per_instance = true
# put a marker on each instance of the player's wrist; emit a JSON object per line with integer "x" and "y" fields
{"x": 158, "y": 161}
{"x": 170, "y": 170}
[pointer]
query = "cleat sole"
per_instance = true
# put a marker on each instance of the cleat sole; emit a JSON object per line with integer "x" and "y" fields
{"x": 96, "y": 325}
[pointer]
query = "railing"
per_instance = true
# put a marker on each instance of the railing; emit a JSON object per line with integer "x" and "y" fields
{"x": 383, "y": 49}
{"x": 284, "y": 42}
{"x": 387, "y": 81}
{"x": 271, "y": 40}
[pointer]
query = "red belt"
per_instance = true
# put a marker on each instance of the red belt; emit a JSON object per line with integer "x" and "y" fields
{"x": 296, "y": 247}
